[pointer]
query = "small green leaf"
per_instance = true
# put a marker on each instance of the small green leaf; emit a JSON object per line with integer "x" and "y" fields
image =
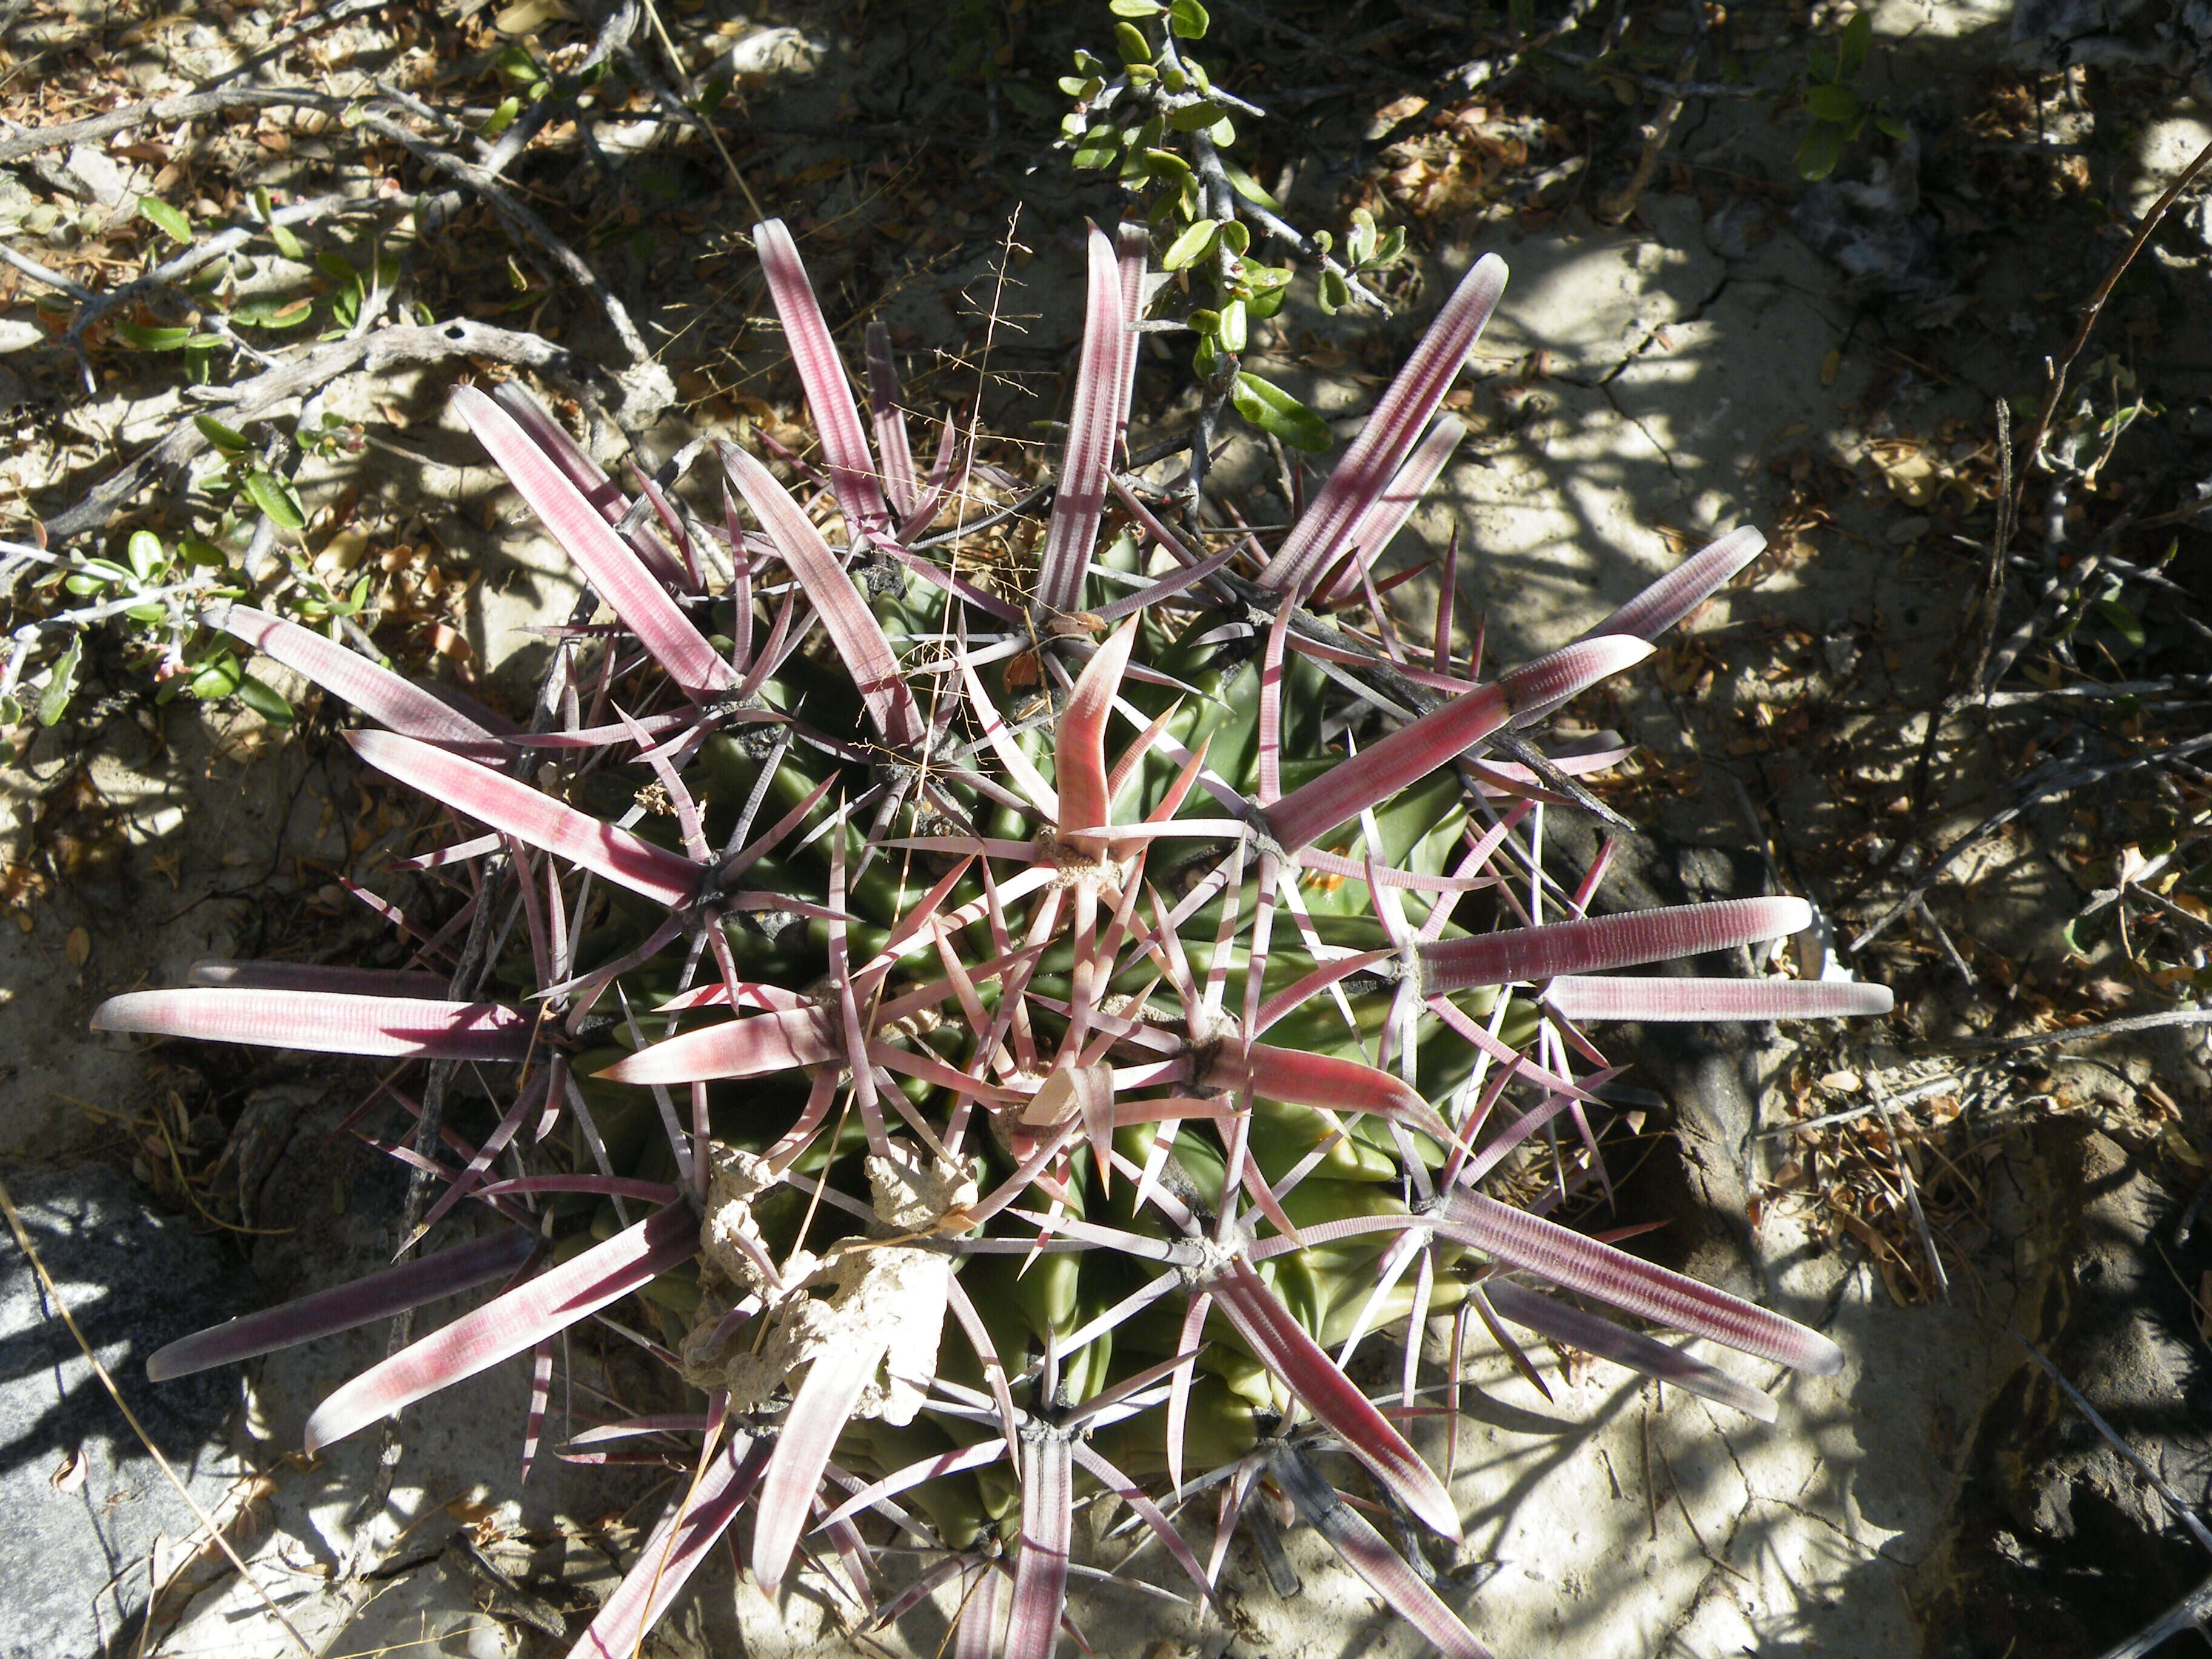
{"x": 1223, "y": 132}
{"x": 1189, "y": 20}
{"x": 1089, "y": 62}
{"x": 1391, "y": 248}
{"x": 152, "y": 339}
{"x": 1243, "y": 184}
{"x": 83, "y": 583}
{"x": 287, "y": 244}
{"x": 1192, "y": 117}
{"x": 1853, "y": 44}
{"x": 203, "y": 556}
{"x": 148, "y": 561}
{"x": 1836, "y": 103}
{"x": 514, "y": 61}
{"x": 276, "y": 499}
{"x": 215, "y": 676}
{"x": 502, "y": 117}
{"x": 1893, "y": 127}
{"x": 1336, "y": 294}
{"x": 263, "y": 701}
{"x": 1192, "y": 246}
{"x": 229, "y": 439}
{"x": 1090, "y": 160}
{"x": 172, "y": 223}
{"x": 1164, "y": 164}
{"x": 1138, "y": 10}
{"x": 1234, "y": 326}
{"x": 1822, "y": 149}
{"x": 1237, "y": 237}
{"x": 2129, "y": 626}
{"x": 53, "y": 701}
{"x": 1132, "y": 43}
{"x": 274, "y": 311}
{"x": 1359, "y": 245}
{"x": 1274, "y": 411}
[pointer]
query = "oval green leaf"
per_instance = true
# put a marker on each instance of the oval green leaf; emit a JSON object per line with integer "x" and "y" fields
{"x": 1235, "y": 326}
{"x": 144, "y": 338}
{"x": 1192, "y": 246}
{"x": 217, "y": 677}
{"x": 1244, "y": 185}
{"x": 1192, "y": 117}
{"x": 277, "y": 500}
{"x": 1277, "y": 413}
{"x": 1853, "y": 44}
{"x": 264, "y": 702}
{"x": 1822, "y": 149}
{"x": 147, "y": 558}
{"x": 229, "y": 439}
{"x": 1836, "y": 103}
{"x": 53, "y": 701}
{"x": 171, "y": 223}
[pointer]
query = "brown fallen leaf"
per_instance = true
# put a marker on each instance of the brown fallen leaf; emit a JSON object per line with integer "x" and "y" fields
{"x": 69, "y": 1474}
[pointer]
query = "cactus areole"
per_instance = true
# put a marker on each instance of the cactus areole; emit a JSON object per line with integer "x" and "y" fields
{"x": 1033, "y": 1018}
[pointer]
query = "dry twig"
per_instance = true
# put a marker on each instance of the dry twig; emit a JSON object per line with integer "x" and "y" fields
{"x": 386, "y": 347}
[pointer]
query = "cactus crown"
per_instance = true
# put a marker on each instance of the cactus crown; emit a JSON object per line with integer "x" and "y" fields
{"x": 1013, "y": 1031}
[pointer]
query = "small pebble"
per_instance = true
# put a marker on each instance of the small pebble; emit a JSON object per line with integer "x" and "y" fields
{"x": 1841, "y": 1082}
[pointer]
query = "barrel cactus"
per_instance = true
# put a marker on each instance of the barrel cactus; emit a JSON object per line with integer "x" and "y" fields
{"x": 1023, "y": 1021}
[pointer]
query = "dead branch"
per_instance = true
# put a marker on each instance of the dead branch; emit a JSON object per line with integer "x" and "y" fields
{"x": 2090, "y": 313}
{"x": 2056, "y": 780}
{"x": 2103, "y": 1028}
{"x": 383, "y": 349}
{"x": 202, "y": 253}
{"x": 179, "y": 106}
{"x": 2191, "y": 1612}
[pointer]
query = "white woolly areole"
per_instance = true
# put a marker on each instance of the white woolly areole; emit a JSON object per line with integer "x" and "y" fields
{"x": 732, "y": 1239}
{"x": 887, "y": 1297}
{"x": 912, "y": 1193}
